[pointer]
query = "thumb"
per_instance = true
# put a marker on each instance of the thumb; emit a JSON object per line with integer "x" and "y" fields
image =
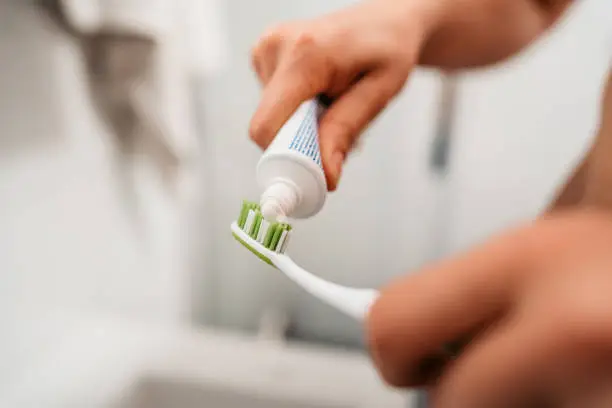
{"x": 350, "y": 114}
{"x": 415, "y": 316}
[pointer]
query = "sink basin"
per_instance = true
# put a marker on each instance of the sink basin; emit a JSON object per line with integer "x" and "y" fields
{"x": 172, "y": 394}
{"x": 109, "y": 364}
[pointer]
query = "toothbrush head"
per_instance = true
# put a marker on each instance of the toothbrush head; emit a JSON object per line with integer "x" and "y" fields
{"x": 264, "y": 239}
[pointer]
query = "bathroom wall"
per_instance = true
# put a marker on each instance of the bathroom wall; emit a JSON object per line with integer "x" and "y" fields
{"x": 73, "y": 238}
{"x": 515, "y": 135}
{"x": 521, "y": 127}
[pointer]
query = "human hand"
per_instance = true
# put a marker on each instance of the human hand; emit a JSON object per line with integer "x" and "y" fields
{"x": 535, "y": 309}
{"x": 359, "y": 57}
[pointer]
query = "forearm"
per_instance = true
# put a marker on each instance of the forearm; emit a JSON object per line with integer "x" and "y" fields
{"x": 472, "y": 33}
{"x": 591, "y": 183}
{"x": 572, "y": 192}
{"x": 598, "y": 185}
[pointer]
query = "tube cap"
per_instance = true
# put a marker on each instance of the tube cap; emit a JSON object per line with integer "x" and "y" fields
{"x": 279, "y": 200}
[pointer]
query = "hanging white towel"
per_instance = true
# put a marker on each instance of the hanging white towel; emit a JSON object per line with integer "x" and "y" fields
{"x": 142, "y": 56}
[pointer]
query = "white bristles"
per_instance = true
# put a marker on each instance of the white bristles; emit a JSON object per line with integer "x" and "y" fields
{"x": 285, "y": 242}
{"x": 249, "y": 221}
{"x": 263, "y": 230}
{"x": 281, "y": 241}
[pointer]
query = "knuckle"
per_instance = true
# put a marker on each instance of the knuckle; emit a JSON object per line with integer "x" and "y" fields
{"x": 305, "y": 49}
{"x": 268, "y": 40}
{"x": 305, "y": 56}
{"x": 304, "y": 40}
{"x": 259, "y": 132}
{"x": 274, "y": 34}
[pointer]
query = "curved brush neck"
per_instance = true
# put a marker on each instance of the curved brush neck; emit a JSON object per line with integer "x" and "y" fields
{"x": 351, "y": 301}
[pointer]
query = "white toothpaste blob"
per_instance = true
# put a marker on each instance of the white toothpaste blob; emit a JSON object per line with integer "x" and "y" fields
{"x": 290, "y": 171}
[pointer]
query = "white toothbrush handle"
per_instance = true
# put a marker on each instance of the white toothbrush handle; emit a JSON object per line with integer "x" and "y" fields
{"x": 352, "y": 301}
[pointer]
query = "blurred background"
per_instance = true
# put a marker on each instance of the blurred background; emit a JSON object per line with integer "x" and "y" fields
{"x": 124, "y": 158}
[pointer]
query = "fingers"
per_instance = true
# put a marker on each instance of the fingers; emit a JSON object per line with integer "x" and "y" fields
{"x": 350, "y": 114}
{"x": 540, "y": 353}
{"x": 334, "y": 57}
{"x": 501, "y": 369}
{"x": 264, "y": 55}
{"x": 415, "y": 317}
{"x": 300, "y": 76}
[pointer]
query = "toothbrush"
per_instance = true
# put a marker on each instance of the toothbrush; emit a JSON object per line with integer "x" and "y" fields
{"x": 268, "y": 241}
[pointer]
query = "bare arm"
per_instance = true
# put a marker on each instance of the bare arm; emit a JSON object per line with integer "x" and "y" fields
{"x": 472, "y": 33}
{"x": 598, "y": 186}
{"x": 360, "y": 58}
{"x": 591, "y": 183}
{"x": 573, "y": 190}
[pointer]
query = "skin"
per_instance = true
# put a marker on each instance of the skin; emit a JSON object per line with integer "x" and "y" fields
{"x": 532, "y": 307}
{"x": 362, "y": 56}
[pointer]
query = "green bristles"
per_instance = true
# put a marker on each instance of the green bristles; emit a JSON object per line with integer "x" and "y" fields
{"x": 274, "y": 233}
{"x": 256, "y": 225}
{"x": 246, "y": 207}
